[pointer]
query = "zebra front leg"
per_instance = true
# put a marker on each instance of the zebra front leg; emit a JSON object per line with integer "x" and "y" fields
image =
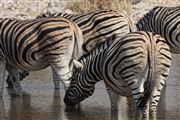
{"x": 15, "y": 80}
{"x": 61, "y": 74}
{"x": 2, "y": 74}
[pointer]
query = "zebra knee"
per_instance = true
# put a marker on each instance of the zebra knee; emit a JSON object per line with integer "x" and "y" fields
{"x": 56, "y": 84}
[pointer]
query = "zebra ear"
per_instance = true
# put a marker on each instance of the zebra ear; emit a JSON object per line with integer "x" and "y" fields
{"x": 77, "y": 64}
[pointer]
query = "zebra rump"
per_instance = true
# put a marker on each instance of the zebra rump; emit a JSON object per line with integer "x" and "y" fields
{"x": 36, "y": 44}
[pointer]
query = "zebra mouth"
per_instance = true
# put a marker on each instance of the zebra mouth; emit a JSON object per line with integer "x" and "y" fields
{"x": 70, "y": 101}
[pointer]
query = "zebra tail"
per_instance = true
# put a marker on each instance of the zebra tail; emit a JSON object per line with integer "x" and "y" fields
{"x": 149, "y": 83}
{"x": 148, "y": 87}
{"x": 78, "y": 35}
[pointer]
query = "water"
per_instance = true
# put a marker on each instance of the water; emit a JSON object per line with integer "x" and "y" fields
{"x": 40, "y": 102}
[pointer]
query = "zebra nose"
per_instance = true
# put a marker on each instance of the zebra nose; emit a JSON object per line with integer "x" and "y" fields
{"x": 69, "y": 100}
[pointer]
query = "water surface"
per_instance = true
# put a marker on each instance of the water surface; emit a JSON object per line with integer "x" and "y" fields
{"x": 40, "y": 102}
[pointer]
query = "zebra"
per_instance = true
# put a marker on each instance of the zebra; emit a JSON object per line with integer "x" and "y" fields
{"x": 96, "y": 26}
{"x": 32, "y": 45}
{"x": 135, "y": 65}
{"x": 164, "y": 21}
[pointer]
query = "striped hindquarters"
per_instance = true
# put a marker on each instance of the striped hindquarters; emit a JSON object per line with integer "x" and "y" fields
{"x": 28, "y": 44}
{"x": 131, "y": 59}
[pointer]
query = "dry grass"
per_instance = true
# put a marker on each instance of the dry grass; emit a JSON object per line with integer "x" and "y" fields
{"x": 82, "y": 6}
{"x": 163, "y": 2}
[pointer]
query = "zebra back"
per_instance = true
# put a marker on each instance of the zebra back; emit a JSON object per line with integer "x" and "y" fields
{"x": 164, "y": 21}
{"x": 98, "y": 25}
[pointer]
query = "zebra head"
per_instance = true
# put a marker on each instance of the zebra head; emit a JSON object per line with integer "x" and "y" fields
{"x": 80, "y": 88}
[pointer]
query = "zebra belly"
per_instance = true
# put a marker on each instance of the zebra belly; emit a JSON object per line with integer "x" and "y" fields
{"x": 33, "y": 66}
{"x": 37, "y": 66}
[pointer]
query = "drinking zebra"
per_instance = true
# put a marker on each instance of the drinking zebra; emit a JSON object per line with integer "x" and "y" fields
{"x": 36, "y": 44}
{"x": 135, "y": 65}
{"x": 164, "y": 21}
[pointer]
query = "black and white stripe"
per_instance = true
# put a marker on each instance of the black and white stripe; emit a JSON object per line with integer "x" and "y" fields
{"x": 137, "y": 64}
{"x": 164, "y": 21}
{"x": 98, "y": 25}
{"x": 36, "y": 44}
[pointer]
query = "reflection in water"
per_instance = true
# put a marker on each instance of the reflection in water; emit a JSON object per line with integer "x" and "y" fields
{"x": 41, "y": 102}
{"x": 20, "y": 106}
{"x": 126, "y": 110}
{"x": 2, "y": 110}
{"x": 56, "y": 106}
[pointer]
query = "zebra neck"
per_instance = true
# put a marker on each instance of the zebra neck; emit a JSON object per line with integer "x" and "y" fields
{"x": 93, "y": 66}
{"x": 143, "y": 23}
{"x": 93, "y": 60}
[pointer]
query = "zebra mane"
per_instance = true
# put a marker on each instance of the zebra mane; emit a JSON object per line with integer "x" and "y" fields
{"x": 98, "y": 48}
{"x": 142, "y": 22}
{"x": 49, "y": 15}
{"x": 64, "y": 14}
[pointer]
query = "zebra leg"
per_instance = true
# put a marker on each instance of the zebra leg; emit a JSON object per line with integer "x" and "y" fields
{"x": 137, "y": 89}
{"x": 56, "y": 80}
{"x": 15, "y": 79}
{"x": 2, "y": 74}
{"x": 160, "y": 81}
{"x": 154, "y": 102}
{"x": 145, "y": 112}
{"x": 113, "y": 99}
{"x": 22, "y": 75}
{"x": 61, "y": 73}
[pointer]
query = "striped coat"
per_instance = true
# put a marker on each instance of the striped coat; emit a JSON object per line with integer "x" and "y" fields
{"x": 36, "y": 44}
{"x": 164, "y": 21}
{"x": 135, "y": 65}
{"x": 98, "y": 25}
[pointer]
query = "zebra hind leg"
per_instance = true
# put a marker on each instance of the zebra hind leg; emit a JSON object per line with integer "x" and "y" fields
{"x": 22, "y": 75}
{"x": 137, "y": 94}
{"x": 15, "y": 80}
{"x": 63, "y": 74}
